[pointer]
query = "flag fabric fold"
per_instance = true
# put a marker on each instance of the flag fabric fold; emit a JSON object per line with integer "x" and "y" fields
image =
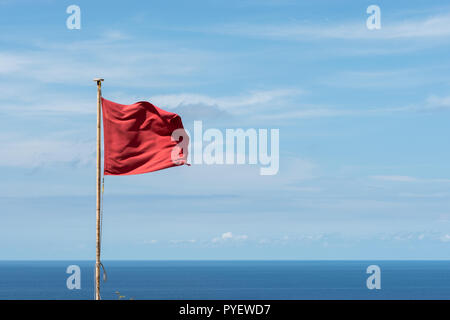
{"x": 140, "y": 138}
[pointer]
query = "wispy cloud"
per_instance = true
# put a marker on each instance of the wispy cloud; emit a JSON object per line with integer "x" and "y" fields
{"x": 436, "y": 26}
{"x": 229, "y": 236}
{"x": 439, "y": 103}
{"x": 65, "y": 103}
{"x": 278, "y": 104}
{"x": 153, "y": 241}
{"x": 387, "y": 78}
{"x": 397, "y": 178}
{"x": 253, "y": 98}
{"x": 436, "y": 195}
{"x": 36, "y": 152}
{"x": 176, "y": 242}
{"x": 445, "y": 238}
{"x": 70, "y": 66}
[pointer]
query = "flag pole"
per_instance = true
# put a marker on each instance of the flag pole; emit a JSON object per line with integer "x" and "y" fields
{"x": 98, "y": 190}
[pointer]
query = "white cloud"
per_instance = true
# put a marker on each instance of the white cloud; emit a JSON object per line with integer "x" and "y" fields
{"x": 388, "y": 78}
{"x": 308, "y": 113}
{"x": 435, "y": 195}
{"x": 398, "y": 178}
{"x": 431, "y": 104}
{"x": 437, "y": 26}
{"x": 410, "y": 236}
{"x": 395, "y": 178}
{"x": 151, "y": 241}
{"x": 182, "y": 241}
{"x": 254, "y": 98}
{"x": 41, "y": 69}
{"x": 35, "y": 152}
{"x": 229, "y": 236}
{"x": 10, "y": 63}
{"x": 445, "y": 238}
{"x": 435, "y": 102}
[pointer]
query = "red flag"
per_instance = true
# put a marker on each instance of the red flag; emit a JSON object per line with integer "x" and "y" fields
{"x": 141, "y": 138}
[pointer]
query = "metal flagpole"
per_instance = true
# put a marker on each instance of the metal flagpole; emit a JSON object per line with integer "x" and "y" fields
{"x": 99, "y": 175}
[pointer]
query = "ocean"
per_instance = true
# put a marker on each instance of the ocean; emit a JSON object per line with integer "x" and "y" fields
{"x": 227, "y": 280}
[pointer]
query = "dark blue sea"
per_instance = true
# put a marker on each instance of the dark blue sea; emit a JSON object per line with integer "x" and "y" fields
{"x": 228, "y": 280}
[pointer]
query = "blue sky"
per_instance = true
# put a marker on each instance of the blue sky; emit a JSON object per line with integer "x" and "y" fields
{"x": 363, "y": 118}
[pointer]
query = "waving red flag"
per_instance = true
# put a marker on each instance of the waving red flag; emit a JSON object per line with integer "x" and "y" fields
{"x": 141, "y": 137}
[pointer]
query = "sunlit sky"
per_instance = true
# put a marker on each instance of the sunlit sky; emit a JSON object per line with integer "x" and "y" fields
{"x": 363, "y": 117}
